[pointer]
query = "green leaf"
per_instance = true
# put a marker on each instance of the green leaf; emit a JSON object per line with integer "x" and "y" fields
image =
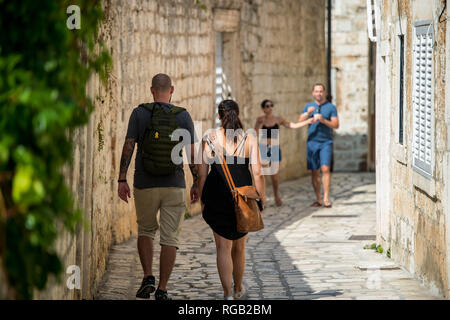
{"x": 38, "y": 189}
{"x": 50, "y": 65}
{"x": 5, "y": 144}
{"x": 24, "y": 96}
{"x": 34, "y": 239}
{"x": 22, "y": 182}
{"x": 30, "y": 221}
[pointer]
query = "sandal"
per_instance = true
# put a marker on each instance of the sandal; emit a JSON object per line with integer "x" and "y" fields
{"x": 278, "y": 202}
{"x": 316, "y": 204}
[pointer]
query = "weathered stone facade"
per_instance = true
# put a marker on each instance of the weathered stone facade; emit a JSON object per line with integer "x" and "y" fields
{"x": 277, "y": 52}
{"x": 281, "y": 60}
{"x": 350, "y": 61}
{"x": 413, "y": 210}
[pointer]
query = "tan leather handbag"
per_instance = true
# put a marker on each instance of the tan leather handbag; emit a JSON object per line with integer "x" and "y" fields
{"x": 248, "y": 215}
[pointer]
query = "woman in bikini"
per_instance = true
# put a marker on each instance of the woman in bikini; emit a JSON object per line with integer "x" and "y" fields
{"x": 269, "y": 141}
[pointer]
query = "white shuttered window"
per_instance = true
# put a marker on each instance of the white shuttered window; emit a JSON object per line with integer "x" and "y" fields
{"x": 423, "y": 119}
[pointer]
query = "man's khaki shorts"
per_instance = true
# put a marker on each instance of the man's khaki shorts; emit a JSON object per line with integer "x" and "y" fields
{"x": 170, "y": 202}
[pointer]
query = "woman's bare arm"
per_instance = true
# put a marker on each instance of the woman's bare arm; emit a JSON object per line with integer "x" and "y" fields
{"x": 255, "y": 163}
{"x": 259, "y": 123}
{"x": 202, "y": 170}
{"x": 296, "y": 125}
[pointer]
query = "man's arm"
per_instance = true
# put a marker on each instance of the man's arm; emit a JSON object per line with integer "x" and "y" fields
{"x": 127, "y": 153}
{"x": 305, "y": 115}
{"x": 193, "y": 167}
{"x": 195, "y": 190}
{"x": 333, "y": 123}
{"x": 189, "y": 125}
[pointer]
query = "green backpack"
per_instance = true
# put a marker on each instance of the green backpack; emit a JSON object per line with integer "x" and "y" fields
{"x": 157, "y": 144}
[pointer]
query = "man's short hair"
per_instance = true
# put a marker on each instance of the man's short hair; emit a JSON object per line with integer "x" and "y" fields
{"x": 319, "y": 84}
{"x": 161, "y": 82}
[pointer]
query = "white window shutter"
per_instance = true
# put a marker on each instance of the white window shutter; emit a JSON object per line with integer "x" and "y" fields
{"x": 423, "y": 122}
{"x": 372, "y": 19}
{"x": 219, "y": 72}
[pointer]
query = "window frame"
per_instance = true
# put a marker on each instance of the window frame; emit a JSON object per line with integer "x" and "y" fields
{"x": 400, "y": 151}
{"x": 401, "y": 90}
{"x": 423, "y": 27}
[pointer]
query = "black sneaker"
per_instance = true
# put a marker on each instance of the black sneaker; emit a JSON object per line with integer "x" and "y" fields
{"x": 147, "y": 287}
{"x": 162, "y": 295}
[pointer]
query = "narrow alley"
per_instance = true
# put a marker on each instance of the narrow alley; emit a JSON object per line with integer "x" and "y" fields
{"x": 356, "y": 88}
{"x": 302, "y": 253}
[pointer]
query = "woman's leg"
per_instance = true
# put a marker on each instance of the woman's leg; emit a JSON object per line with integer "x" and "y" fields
{"x": 275, "y": 184}
{"x": 224, "y": 262}
{"x": 238, "y": 255}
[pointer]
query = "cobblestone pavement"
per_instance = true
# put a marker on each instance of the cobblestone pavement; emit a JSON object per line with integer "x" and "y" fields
{"x": 302, "y": 253}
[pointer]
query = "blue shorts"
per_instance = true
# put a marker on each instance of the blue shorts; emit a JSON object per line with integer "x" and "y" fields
{"x": 319, "y": 154}
{"x": 270, "y": 153}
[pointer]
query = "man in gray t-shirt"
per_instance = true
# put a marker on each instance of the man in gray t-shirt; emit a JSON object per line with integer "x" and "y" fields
{"x": 152, "y": 194}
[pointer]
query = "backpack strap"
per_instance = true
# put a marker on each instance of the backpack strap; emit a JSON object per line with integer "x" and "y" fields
{"x": 176, "y": 110}
{"x": 151, "y": 107}
{"x": 148, "y": 106}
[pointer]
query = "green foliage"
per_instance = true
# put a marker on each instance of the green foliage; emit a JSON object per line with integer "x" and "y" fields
{"x": 388, "y": 253}
{"x": 374, "y": 246}
{"x": 201, "y": 5}
{"x": 101, "y": 142}
{"x": 44, "y": 69}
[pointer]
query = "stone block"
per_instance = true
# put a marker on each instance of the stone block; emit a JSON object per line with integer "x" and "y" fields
{"x": 226, "y": 20}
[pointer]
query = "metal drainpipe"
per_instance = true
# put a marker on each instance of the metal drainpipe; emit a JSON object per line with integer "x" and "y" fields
{"x": 329, "y": 97}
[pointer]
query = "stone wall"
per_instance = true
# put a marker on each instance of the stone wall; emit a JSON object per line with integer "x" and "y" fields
{"x": 350, "y": 58}
{"x": 145, "y": 38}
{"x": 416, "y": 221}
{"x": 281, "y": 60}
{"x": 276, "y": 44}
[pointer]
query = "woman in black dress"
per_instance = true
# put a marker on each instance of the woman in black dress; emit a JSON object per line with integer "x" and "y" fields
{"x": 240, "y": 150}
